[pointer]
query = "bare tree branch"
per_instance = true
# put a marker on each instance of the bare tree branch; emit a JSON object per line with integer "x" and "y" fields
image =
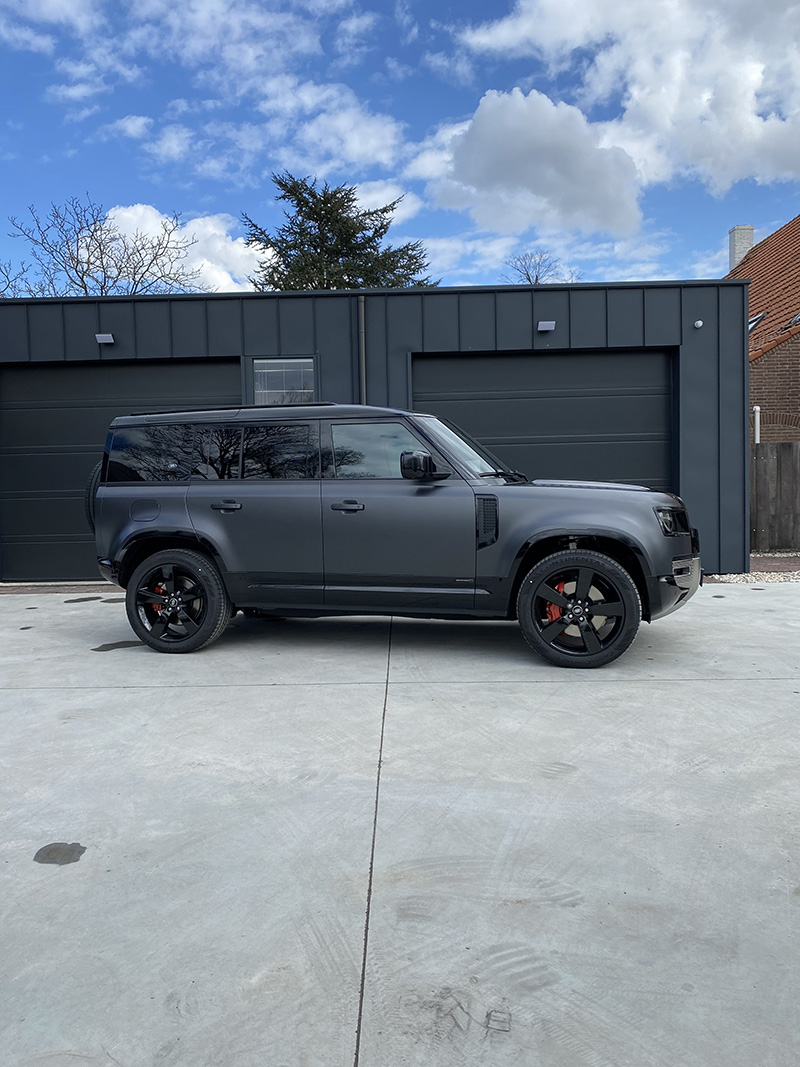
{"x": 78, "y": 250}
{"x": 538, "y": 267}
{"x": 13, "y": 280}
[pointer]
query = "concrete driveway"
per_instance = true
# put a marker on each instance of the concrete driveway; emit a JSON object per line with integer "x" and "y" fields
{"x": 326, "y": 843}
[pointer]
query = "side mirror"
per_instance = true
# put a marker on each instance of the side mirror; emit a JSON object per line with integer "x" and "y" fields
{"x": 418, "y": 465}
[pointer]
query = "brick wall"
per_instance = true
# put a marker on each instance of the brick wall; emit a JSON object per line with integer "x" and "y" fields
{"x": 775, "y": 385}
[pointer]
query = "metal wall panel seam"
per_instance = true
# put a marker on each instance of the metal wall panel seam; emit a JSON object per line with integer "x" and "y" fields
{"x": 169, "y": 329}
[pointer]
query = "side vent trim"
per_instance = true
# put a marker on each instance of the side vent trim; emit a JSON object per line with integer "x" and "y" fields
{"x": 486, "y": 520}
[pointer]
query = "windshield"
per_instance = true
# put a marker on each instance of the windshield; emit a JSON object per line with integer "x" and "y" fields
{"x": 472, "y": 456}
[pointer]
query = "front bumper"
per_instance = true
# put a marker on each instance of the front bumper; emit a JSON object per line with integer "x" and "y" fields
{"x": 668, "y": 592}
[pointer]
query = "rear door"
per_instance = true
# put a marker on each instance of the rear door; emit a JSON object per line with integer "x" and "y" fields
{"x": 392, "y": 544}
{"x": 256, "y": 497}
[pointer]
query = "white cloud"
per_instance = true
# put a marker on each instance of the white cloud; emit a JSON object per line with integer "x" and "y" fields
{"x": 351, "y": 36}
{"x": 711, "y": 263}
{"x": 80, "y": 16}
{"x": 23, "y": 37}
{"x": 376, "y": 194}
{"x": 433, "y": 157}
{"x": 451, "y": 68}
{"x": 406, "y": 21}
{"x": 706, "y": 88}
{"x": 396, "y": 70}
{"x": 172, "y": 145}
{"x": 467, "y": 256}
{"x": 133, "y": 126}
{"x": 234, "y": 44}
{"x": 225, "y": 262}
{"x": 524, "y": 161}
{"x": 74, "y": 93}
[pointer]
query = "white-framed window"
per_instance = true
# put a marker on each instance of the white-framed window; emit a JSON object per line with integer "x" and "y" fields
{"x": 283, "y": 380}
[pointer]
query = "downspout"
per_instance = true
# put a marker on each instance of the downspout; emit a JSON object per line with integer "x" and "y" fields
{"x": 362, "y": 351}
{"x": 756, "y": 424}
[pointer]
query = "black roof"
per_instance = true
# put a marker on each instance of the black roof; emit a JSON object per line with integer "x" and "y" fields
{"x": 261, "y": 414}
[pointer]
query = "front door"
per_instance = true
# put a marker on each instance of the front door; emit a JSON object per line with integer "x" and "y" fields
{"x": 257, "y": 498}
{"x": 392, "y": 544}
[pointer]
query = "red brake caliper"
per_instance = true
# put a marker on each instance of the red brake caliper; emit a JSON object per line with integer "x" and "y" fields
{"x": 158, "y": 589}
{"x": 553, "y": 610}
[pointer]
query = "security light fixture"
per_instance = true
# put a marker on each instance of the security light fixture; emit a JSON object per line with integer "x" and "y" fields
{"x": 545, "y": 327}
{"x": 104, "y": 338}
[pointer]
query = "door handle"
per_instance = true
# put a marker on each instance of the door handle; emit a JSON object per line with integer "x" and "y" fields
{"x": 227, "y": 505}
{"x": 347, "y": 505}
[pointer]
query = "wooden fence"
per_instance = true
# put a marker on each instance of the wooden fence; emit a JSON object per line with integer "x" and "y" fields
{"x": 775, "y": 496}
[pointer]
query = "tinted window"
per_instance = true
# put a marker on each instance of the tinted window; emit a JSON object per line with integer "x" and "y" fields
{"x": 152, "y": 454}
{"x": 221, "y": 452}
{"x": 280, "y": 452}
{"x": 370, "y": 449}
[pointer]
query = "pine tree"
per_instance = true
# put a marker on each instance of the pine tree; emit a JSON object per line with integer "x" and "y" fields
{"x": 329, "y": 242}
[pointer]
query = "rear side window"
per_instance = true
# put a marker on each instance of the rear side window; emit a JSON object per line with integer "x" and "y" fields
{"x": 222, "y": 452}
{"x": 274, "y": 451}
{"x": 152, "y": 454}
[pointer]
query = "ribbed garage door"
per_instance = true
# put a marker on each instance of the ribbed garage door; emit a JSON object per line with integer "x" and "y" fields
{"x": 53, "y": 424}
{"x": 591, "y": 415}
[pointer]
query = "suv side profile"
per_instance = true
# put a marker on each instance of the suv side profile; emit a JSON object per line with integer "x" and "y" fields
{"x": 328, "y": 509}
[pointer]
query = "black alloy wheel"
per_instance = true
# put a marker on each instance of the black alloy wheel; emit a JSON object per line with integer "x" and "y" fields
{"x": 579, "y": 609}
{"x": 176, "y": 601}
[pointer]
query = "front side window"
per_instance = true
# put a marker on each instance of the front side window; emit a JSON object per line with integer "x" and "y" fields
{"x": 283, "y": 381}
{"x": 370, "y": 449}
{"x": 274, "y": 451}
{"x": 153, "y": 454}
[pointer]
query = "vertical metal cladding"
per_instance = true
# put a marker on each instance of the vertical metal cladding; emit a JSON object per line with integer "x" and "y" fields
{"x": 459, "y": 325}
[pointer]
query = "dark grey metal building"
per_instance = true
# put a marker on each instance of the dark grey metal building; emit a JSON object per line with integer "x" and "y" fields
{"x": 632, "y": 382}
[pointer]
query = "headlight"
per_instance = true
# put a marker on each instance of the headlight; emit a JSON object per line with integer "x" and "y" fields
{"x": 672, "y": 521}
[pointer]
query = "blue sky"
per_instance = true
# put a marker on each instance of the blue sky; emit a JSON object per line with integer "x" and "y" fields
{"x": 626, "y": 138}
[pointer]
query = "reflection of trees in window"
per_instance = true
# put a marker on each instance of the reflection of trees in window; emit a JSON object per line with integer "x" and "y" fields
{"x": 347, "y": 461}
{"x": 279, "y": 452}
{"x": 223, "y": 452}
{"x": 153, "y": 454}
{"x": 370, "y": 450}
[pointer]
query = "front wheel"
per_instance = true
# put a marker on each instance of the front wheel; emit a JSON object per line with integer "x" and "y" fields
{"x": 176, "y": 601}
{"x": 579, "y": 609}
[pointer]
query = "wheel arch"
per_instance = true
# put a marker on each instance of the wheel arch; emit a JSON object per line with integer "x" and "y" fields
{"x": 626, "y": 552}
{"x": 139, "y": 548}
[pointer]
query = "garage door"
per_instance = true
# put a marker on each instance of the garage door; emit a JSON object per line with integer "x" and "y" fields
{"x": 591, "y": 415}
{"x": 53, "y": 423}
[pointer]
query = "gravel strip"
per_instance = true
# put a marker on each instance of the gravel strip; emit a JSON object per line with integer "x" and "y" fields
{"x": 778, "y": 567}
{"x": 754, "y": 577}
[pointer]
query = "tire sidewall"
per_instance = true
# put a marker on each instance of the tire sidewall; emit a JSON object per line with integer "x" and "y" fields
{"x": 217, "y": 606}
{"x": 602, "y": 564}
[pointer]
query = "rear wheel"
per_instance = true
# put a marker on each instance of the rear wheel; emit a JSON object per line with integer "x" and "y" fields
{"x": 176, "y": 601}
{"x": 579, "y": 609}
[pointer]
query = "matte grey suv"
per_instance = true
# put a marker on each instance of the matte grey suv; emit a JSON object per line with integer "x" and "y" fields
{"x": 330, "y": 509}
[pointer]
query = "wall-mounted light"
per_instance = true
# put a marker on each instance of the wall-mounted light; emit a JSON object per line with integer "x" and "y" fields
{"x": 545, "y": 327}
{"x": 104, "y": 338}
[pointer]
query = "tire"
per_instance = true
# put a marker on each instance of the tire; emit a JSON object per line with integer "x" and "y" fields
{"x": 593, "y": 592}
{"x": 90, "y": 493}
{"x": 176, "y": 601}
